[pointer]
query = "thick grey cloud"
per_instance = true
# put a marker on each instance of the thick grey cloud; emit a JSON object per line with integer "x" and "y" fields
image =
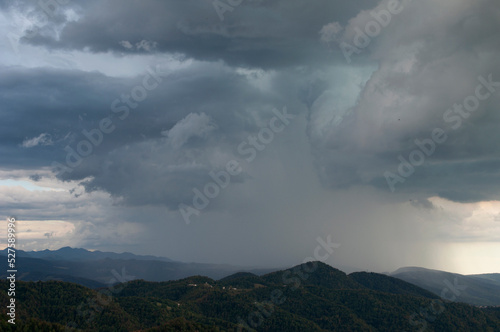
{"x": 152, "y": 141}
{"x": 403, "y": 100}
{"x": 266, "y": 34}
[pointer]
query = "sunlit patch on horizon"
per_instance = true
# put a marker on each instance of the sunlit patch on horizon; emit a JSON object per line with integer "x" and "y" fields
{"x": 469, "y": 234}
{"x": 40, "y": 231}
{"x": 26, "y": 185}
{"x": 475, "y": 257}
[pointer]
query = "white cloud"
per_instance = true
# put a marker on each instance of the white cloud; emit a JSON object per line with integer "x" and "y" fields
{"x": 193, "y": 125}
{"x": 331, "y": 32}
{"x": 43, "y": 139}
{"x": 146, "y": 45}
{"x": 126, "y": 44}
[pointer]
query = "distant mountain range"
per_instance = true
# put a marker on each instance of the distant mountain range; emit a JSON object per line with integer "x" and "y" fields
{"x": 479, "y": 289}
{"x": 307, "y": 297}
{"x": 79, "y": 254}
{"x": 488, "y": 276}
{"x": 97, "y": 269}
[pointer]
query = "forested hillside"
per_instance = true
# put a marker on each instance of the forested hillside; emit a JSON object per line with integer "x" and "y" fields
{"x": 308, "y": 297}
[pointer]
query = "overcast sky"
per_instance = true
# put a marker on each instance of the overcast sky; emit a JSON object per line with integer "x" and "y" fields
{"x": 239, "y": 132}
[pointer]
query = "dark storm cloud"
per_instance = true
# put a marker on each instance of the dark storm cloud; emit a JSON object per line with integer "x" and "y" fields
{"x": 256, "y": 33}
{"x": 51, "y": 102}
{"x": 189, "y": 125}
{"x": 420, "y": 75}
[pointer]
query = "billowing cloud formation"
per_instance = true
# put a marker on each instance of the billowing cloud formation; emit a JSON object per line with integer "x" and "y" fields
{"x": 193, "y": 125}
{"x": 424, "y": 71}
{"x": 394, "y": 103}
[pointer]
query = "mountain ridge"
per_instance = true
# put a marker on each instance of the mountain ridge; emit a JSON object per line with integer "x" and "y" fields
{"x": 81, "y": 254}
{"x": 482, "y": 290}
